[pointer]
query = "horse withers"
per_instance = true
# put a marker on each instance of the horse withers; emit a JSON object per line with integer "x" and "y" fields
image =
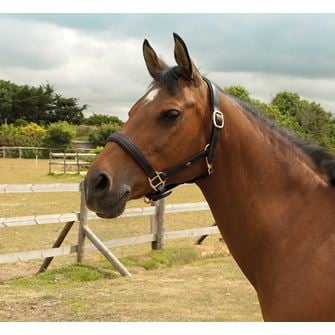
{"x": 271, "y": 194}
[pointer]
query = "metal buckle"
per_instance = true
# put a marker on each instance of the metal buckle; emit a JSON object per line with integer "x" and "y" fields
{"x": 215, "y": 120}
{"x": 157, "y": 178}
{"x": 209, "y": 167}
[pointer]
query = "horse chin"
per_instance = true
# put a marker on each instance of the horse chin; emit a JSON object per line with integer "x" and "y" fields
{"x": 116, "y": 209}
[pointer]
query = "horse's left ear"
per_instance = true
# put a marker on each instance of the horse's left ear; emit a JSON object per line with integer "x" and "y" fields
{"x": 183, "y": 59}
{"x": 154, "y": 64}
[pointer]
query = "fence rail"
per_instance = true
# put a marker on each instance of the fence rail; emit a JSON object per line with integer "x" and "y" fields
{"x": 156, "y": 212}
{"x": 20, "y": 149}
{"x": 69, "y": 159}
{"x": 26, "y": 188}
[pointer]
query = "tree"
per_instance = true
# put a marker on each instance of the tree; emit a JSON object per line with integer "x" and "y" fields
{"x": 239, "y": 92}
{"x": 314, "y": 123}
{"x": 7, "y": 92}
{"x": 287, "y": 103}
{"x": 66, "y": 109}
{"x": 40, "y": 104}
{"x": 99, "y": 119}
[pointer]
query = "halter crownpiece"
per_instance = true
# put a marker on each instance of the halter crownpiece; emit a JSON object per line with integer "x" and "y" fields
{"x": 158, "y": 179}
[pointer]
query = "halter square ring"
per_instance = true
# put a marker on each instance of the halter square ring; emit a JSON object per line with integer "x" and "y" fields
{"x": 157, "y": 181}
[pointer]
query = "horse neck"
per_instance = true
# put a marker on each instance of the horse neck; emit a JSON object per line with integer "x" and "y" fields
{"x": 258, "y": 176}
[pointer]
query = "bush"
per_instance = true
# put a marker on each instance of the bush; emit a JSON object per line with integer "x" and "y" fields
{"x": 99, "y": 119}
{"x": 239, "y": 92}
{"x": 20, "y": 123}
{"x": 9, "y": 135}
{"x": 83, "y": 131}
{"x": 100, "y": 135}
{"x": 59, "y": 136}
{"x": 97, "y": 150}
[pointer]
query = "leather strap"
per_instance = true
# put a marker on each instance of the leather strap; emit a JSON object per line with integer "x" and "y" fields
{"x": 158, "y": 179}
{"x": 129, "y": 146}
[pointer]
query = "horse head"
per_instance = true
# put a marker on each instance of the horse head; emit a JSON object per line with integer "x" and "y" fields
{"x": 167, "y": 127}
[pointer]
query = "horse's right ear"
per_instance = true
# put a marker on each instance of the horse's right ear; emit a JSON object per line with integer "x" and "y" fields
{"x": 154, "y": 64}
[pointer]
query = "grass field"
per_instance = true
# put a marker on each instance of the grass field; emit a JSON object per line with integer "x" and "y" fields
{"x": 182, "y": 283}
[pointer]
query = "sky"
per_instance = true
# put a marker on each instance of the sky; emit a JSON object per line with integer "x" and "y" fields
{"x": 98, "y": 59}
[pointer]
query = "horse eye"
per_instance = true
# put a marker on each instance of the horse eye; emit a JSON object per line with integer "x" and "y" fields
{"x": 170, "y": 115}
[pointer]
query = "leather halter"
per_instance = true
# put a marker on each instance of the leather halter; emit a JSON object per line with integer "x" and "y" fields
{"x": 158, "y": 179}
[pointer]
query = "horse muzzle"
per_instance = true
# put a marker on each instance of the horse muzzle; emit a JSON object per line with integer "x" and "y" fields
{"x": 103, "y": 196}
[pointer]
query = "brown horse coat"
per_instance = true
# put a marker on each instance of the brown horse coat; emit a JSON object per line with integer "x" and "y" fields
{"x": 271, "y": 195}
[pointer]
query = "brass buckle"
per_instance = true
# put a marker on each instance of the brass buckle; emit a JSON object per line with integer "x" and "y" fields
{"x": 209, "y": 167}
{"x": 157, "y": 181}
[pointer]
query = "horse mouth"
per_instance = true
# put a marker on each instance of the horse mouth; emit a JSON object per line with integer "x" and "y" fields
{"x": 116, "y": 209}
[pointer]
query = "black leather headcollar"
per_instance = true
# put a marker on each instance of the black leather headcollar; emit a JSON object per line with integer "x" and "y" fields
{"x": 158, "y": 180}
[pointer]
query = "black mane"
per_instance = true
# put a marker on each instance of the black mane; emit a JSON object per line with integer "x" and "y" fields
{"x": 323, "y": 159}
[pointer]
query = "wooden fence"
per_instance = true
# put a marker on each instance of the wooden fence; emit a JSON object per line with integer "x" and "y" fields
{"x": 70, "y": 159}
{"x": 156, "y": 212}
{"x": 5, "y": 149}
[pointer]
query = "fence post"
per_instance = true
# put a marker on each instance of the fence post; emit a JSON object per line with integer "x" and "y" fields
{"x": 157, "y": 225}
{"x": 64, "y": 163}
{"x": 82, "y": 223}
{"x": 78, "y": 169}
{"x": 20, "y": 152}
{"x": 106, "y": 252}
{"x": 57, "y": 244}
{"x": 4, "y": 152}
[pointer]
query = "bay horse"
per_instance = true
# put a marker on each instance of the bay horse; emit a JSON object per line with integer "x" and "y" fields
{"x": 271, "y": 194}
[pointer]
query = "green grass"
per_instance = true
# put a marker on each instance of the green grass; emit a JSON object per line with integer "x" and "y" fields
{"x": 162, "y": 258}
{"x": 63, "y": 276}
{"x": 85, "y": 273}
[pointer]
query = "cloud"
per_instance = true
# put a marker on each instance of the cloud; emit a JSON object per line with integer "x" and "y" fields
{"x": 98, "y": 57}
{"x": 104, "y": 71}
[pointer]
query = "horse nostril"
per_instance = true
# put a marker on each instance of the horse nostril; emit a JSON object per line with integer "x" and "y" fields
{"x": 102, "y": 183}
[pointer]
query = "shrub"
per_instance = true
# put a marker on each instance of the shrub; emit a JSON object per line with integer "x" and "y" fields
{"x": 83, "y": 131}
{"x": 59, "y": 136}
{"x": 100, "y": 135}
{"x": 99, "y": 119}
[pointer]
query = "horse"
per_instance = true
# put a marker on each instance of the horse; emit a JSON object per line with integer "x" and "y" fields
{"x": 271, "y": 194}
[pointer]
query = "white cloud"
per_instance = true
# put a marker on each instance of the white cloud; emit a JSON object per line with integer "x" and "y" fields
{"x": 104, "y": 67}
{"x": 103, "y": 71}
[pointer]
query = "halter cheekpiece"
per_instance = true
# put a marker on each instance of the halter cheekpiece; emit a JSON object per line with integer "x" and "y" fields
{"x": 158, "y": 179}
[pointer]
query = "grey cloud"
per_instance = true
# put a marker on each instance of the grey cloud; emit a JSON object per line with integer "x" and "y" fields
{"x": 98, "y": 57}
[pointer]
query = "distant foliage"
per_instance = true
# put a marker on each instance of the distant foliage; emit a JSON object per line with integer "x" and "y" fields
{"x": 99, "y": 119}
{"x": 313, "y": 122}
{"x": 307, "y": 119}
{"x": 100, "y": 135}
{"x": 84, "y": 131}
{"x": 30, "y": 135}
{"x": 59, "y": 135}
{"x": 42, "y": 105}
{"x": 239, "y": 92}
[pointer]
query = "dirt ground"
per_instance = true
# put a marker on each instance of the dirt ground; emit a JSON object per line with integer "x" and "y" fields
{"x": 205, "y": 287}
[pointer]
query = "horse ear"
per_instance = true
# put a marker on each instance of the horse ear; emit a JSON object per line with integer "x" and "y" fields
{"x": 183, "y": 59}
{"x": 154, "y": 64}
